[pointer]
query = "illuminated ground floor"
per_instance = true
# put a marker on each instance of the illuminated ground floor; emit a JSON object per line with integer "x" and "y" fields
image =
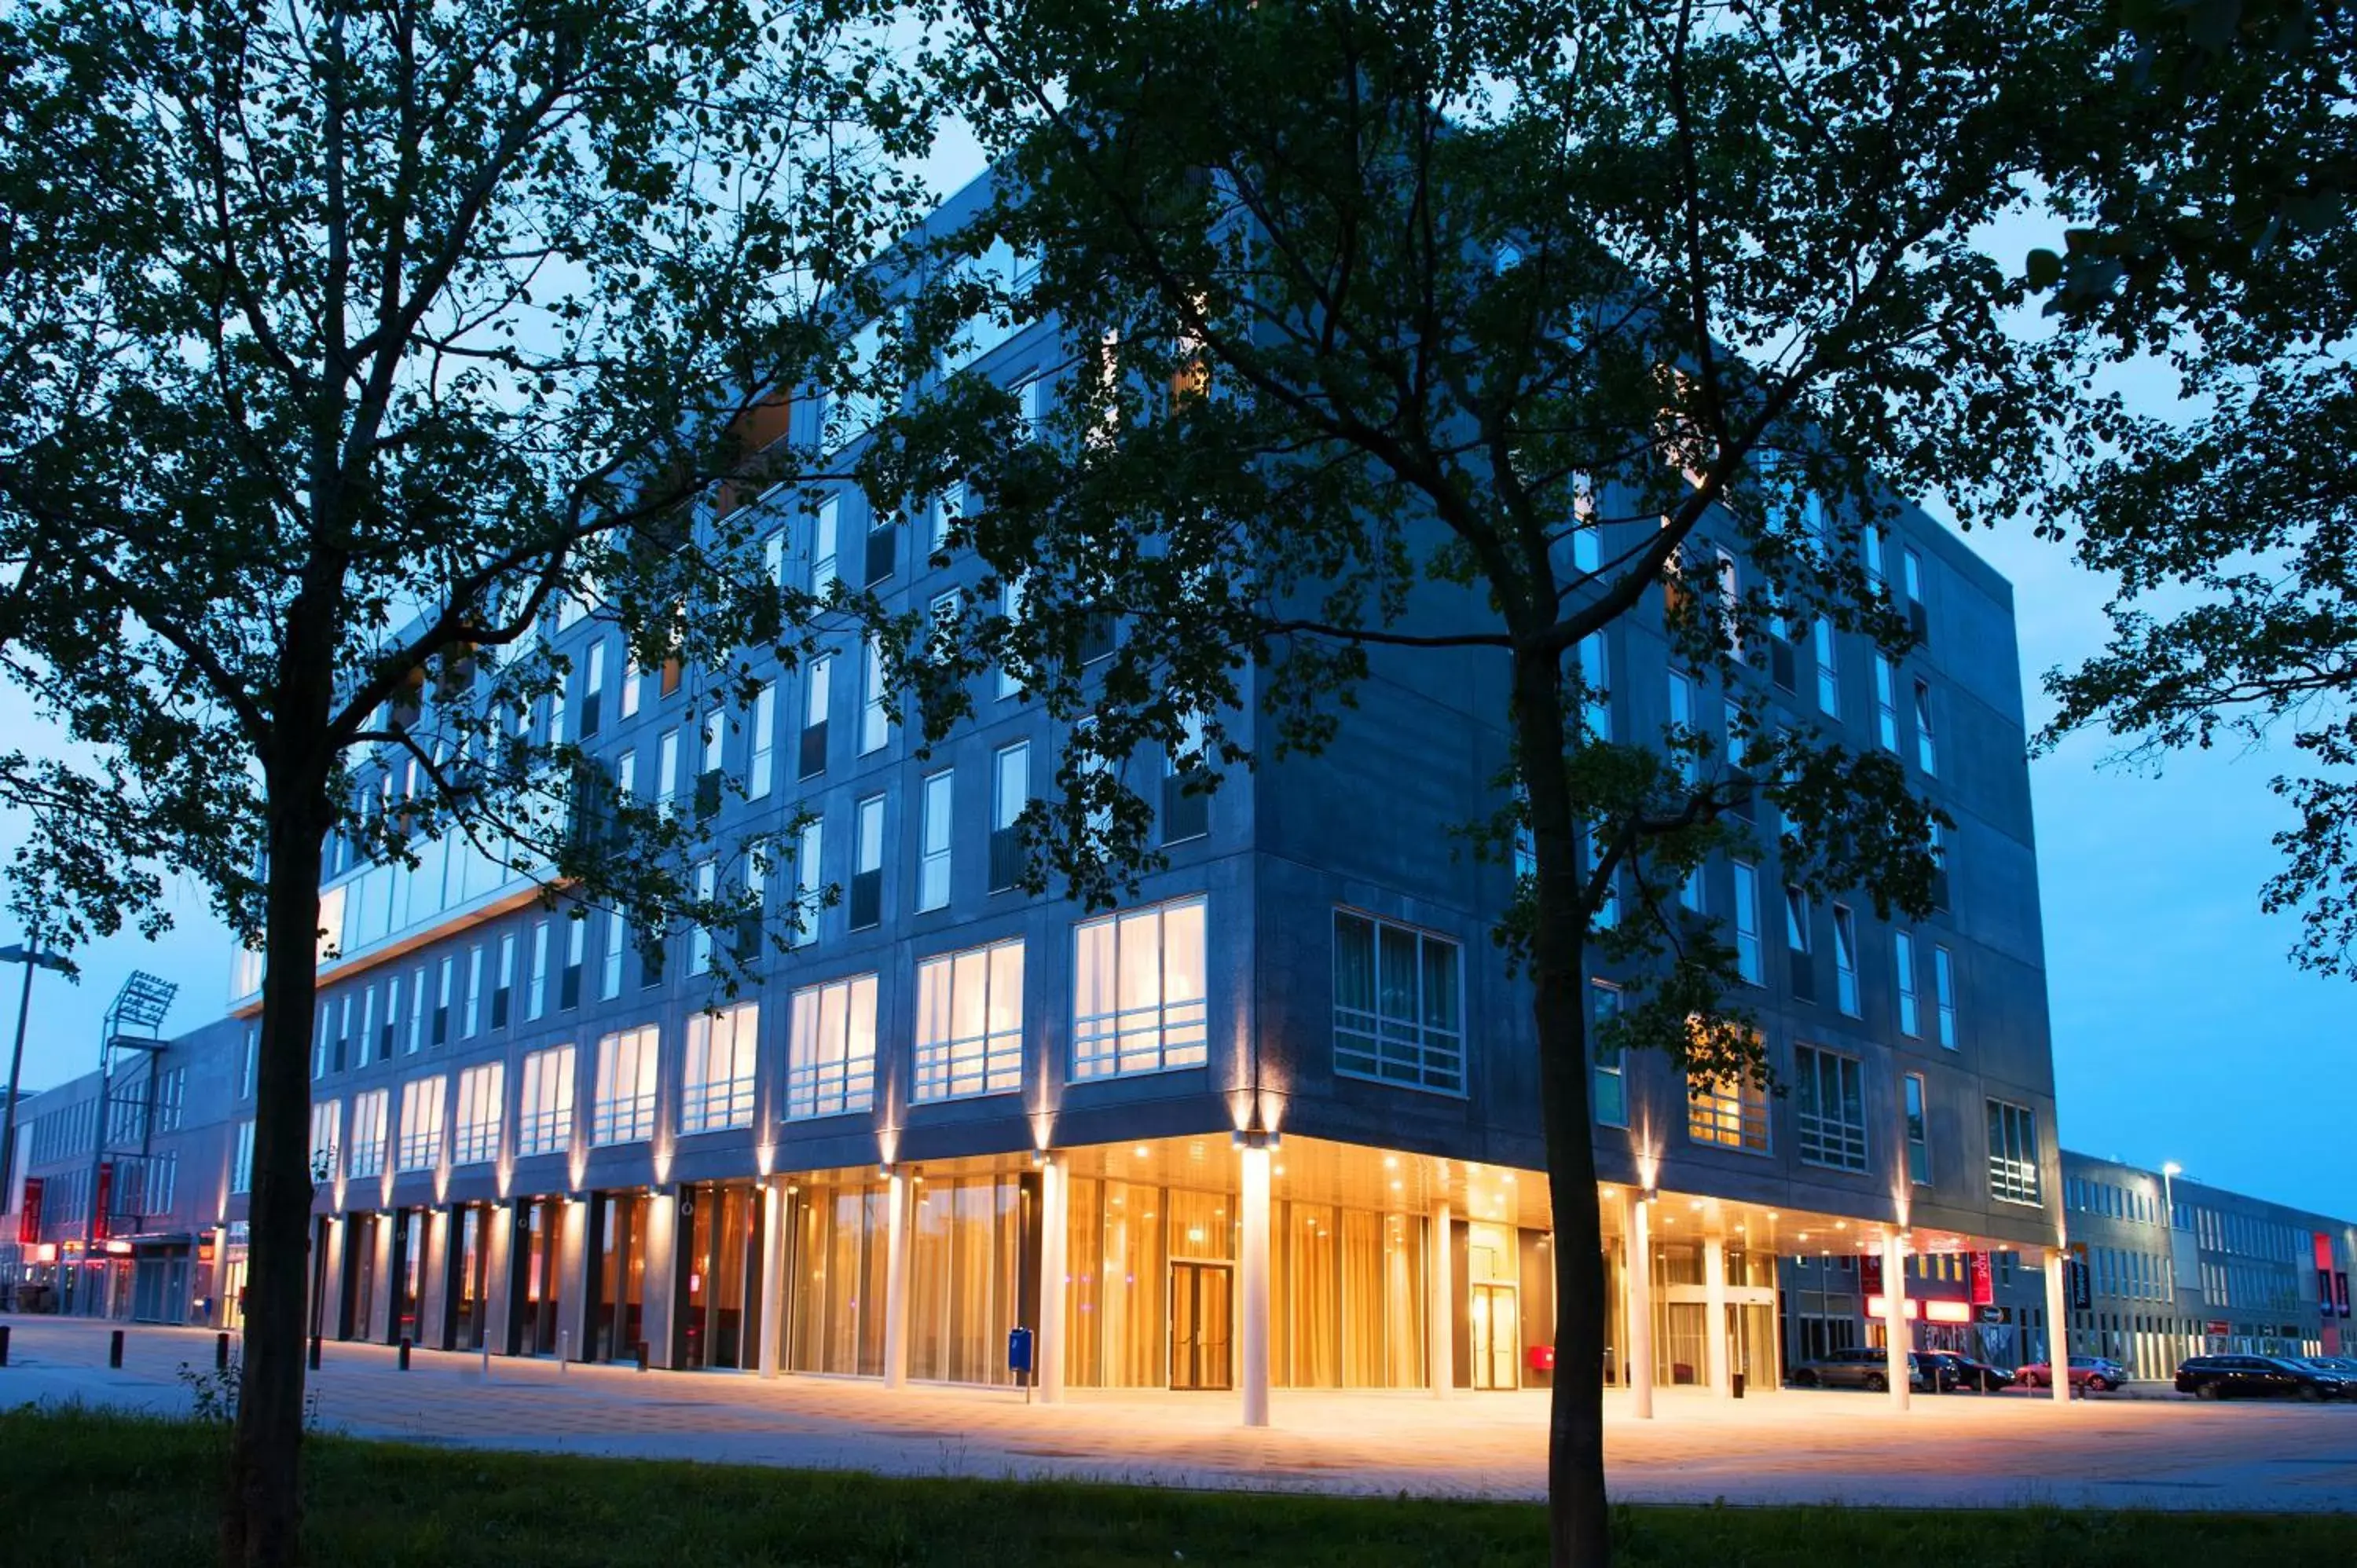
{"x": 1198, "y": 1264}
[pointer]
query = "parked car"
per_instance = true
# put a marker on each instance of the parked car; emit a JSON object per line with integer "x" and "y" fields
{"x": 2261, "y": 1376}
{"x": 2340, "y": 1367}
{"x": 2097, "y": 1374}
{"x": 1952, "y": 1371}
{"x": 1860, "y": 1368}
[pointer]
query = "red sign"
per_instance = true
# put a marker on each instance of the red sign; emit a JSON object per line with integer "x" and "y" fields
{"x": 1869, "y": 1273}
{"x": 2219, "y": 1327}
{"x": 28, "y": 1219}
{"x": 1984, "y": 1280}
{"x": 105, "y": 1196}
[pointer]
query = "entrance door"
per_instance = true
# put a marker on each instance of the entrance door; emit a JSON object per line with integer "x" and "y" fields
{"x": 1202, "y": 1323}
{"x": 1497, "y": 1332}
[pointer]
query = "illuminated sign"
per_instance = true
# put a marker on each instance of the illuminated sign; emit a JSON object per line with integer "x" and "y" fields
{"x": 29, "y": 1220}
{"x": 1922, "y": 1311}
{"x": 1984, "y": 1276}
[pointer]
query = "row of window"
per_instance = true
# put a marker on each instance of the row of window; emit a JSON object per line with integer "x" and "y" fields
{"x": 1829, "y": 1117}
{"x": 2086, "y": 1195}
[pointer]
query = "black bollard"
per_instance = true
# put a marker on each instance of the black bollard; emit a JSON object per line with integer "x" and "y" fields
{"x": 3, "y": 1344}
{"x": 221, "y": 1352}
{"x": 401, "y": 1356}
{"x": 114, "y": 1350}
{"x": 642, "y": 1355}
{"x": 314, "y": 1352}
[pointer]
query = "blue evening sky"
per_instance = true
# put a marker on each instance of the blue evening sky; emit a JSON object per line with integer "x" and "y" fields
{"x": 2181, "y": 1030}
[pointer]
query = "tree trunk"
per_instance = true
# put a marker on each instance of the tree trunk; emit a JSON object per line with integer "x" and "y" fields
{"x": 262, "y": 1523}
{"x": 1579, "y": 1523}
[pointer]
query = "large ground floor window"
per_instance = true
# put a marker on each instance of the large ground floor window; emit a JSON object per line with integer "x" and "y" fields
{"x": 838, "y": 1269}
{"x": 965, "y": 1277}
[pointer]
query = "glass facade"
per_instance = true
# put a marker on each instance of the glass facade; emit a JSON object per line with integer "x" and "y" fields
{"x": 836, "y": 1324}
{"x": 965, "y": 1276}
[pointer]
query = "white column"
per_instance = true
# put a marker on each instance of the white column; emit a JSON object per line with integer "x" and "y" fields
{"x": 1252, "y": 1262}
{"x": 1440, "y": 1311}
{"x": 660, "y": 1302}
{"x": 497, "y": 1305}
{"x": 774, "y": 1204}
{"x": 1713, "y": 1292}
{"x": 1055, "y": 1233}
{"x": 378, "y": 1329}
{"x": 1640, "y": 1273}
{"x": 434, "y": 1281}
{"x": 1896, "y": 1339}
{"x": 2058, "y": 1326}
{"x": 896, "y": 1281}
{"x": 573, "y": 1263}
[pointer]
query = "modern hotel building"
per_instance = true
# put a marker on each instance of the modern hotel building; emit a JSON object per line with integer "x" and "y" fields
{"x": 955, "y": 1108}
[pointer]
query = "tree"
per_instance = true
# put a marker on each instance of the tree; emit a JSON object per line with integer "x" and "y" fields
{"x": 2226, "y": 259}
{"x": 342, "y": 350}
{"x": 1400, "y": 331}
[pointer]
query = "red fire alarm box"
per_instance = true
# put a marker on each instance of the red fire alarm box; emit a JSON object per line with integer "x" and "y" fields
{"x": 1541, "y": 1358}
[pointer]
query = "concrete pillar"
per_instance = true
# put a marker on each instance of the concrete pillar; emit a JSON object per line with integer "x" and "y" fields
{"x": 1714, "y": 1291}
{"x": 1440, "y": 1311}
{"x": 327, "y": 1311}
{"x": 659, "y": 1302}
{"x": 380, "y": 1323}
{"x": 1640, "y": 1308}
{"x": 2058, "y": 1325}
{"x": 573, "y": 1263}
{"x": 1898, "y": 1340}
{"x": 434, "y": 1280}
{"x": 896, "y": 1281}
{"x": 1055, "y": 1234}
{"x": 774, "y": 1218}
{"x": 1253, "y": 1271}
{"x": 498, "y": 1265}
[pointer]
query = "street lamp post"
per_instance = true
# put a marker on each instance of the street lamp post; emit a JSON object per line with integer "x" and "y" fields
{"x": 32, "y": 957}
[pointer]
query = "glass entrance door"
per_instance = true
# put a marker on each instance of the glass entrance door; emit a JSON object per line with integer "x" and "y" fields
{"x": 1497, "y": 1333}
{"x": 1202, "y": 1324}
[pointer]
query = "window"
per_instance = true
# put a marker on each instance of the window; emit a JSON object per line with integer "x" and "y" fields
{"x": 1919, "y": 1136}
{"x": 1682, "y": 720}
{"x": 1943, "y": 989}
{"x": 970, "y": 1023}
{"x": 1911, "y": 566}
{"x": 699, "y": 940}
{"x": 417, "y": 1036}
{"x": 503, "y": 993}
{"x": 1731, "y": 1114}
{"x": 1010, "y": 792}
{"x": 945, "y": 511}
{"x": 569, "y": 979}
{"x": 1690, "y": 891}
{"x": 1138, "y": 991}
{"x": 622, "y": 1105}
{"x": 481, "y": 1092}
{"x": 1903, "y": 952}
{"x": 825, "y": 531}
{"x": 1185, "y": 800}
{"x": 707, "y": 777}
{"x": 1845, "y": 960}
{"x": 1828, "y": 671}
{"x": 630, "y": 703}
{"x": 867, "y": 863}
{"x": 609, "y": 962}
{"x": 1746, "y": 925}
{"x": 240, "y": 1164}
{"x": 1398, "y": 1012}
{"x": 537, "y": 993}
{"x": 1610, "y": 1089}
{"x": 716, "y": 1091}
{"x": 254, "y": 1058}
{"x": 474, "y": 989}
{"x": 807, "y": 886}
{"x": 593, "y": 690}
{"x": 816, "y": 686}
{"x": 421, "y": 1123}
{"x": 364, "y": 1155}
{"x": 933, "y": 846}
{"x": 1829, "y": 1108}
{"x": 830, "y": 1056}
{"x": 1927, "y": 745}
{"x": 544, "y": 1108}
{"x": 1869, "y": 550}
{"x": 1885, "y": 704}
{"x": 368, "y": 1023}
{"x": 2013, "y": 1153}
{"x": 876, "y": 709}
{"x": 1595, "y": 692}
{"x": 1010, "y": 605}
{"x": 326, "y": 1122}
{"x": 760, "y": 760}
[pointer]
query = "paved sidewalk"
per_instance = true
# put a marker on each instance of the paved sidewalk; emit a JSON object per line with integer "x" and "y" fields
{"x": 1791, "y": 1446}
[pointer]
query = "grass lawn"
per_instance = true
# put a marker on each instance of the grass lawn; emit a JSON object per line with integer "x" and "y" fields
{"x": 84, "y": 1487}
